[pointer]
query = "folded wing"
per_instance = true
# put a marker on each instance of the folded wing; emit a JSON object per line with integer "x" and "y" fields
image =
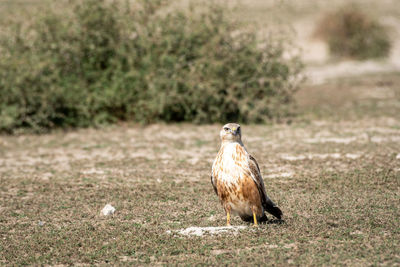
{"x": 213, "y": 184}
{"x": 267, "y": 203}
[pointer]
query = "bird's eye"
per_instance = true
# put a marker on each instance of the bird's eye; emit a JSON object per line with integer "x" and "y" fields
{"x": 226, "y": 128}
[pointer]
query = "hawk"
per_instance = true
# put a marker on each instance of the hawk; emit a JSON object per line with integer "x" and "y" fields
{"x": 237, "y": 180}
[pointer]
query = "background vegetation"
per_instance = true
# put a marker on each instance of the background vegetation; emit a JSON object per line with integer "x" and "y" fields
{"x": 107, "y": 62}
{"x": 352, "y": 33}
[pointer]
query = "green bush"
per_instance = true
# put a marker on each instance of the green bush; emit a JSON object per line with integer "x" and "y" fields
{"x": 107, "y": 62}
{"x": 351, "y": 33}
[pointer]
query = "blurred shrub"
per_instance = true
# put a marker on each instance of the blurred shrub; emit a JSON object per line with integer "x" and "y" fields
{"x": 351, "y": 33}
{"x": 107, "y": 62}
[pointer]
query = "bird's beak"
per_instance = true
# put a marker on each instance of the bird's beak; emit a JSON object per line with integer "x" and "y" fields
{"x": 234, "y": 131}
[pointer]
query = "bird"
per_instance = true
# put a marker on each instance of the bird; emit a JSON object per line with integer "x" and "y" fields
{"x": 237, "y": 180}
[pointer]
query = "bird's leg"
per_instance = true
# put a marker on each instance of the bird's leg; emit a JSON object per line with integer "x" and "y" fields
{"x": 255, "y": 218}
{"x": 228, "y": 215}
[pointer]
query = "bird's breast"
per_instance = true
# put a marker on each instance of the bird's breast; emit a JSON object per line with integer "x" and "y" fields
{"x": 229, "y": 166}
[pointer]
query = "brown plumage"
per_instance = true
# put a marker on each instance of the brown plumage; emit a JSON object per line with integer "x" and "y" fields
{"x": 236, "y": 179}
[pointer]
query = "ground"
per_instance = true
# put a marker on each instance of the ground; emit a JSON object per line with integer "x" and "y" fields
{"x": 334, "y": 171}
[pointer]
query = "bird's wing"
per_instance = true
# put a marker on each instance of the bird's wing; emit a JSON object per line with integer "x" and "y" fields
{"x": 214, "y": 184}
{"x": 267, "y": 203}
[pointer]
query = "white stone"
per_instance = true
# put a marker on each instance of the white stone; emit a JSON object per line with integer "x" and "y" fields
{"x": 108, "y": 210}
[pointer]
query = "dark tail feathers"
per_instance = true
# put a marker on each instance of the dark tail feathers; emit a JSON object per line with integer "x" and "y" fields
{"x": 270, "y": 207}
{"x": 274, "y": 210}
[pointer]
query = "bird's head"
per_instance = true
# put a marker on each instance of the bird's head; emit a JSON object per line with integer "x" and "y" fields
{"x": 231, "y": 132}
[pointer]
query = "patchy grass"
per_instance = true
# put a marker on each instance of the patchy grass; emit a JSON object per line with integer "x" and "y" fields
{"x": 337, "y": 182}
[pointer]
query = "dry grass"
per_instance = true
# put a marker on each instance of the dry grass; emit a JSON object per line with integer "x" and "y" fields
{"x": 337, "y": 182}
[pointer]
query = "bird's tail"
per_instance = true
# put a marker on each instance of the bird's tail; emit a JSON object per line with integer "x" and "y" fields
{"x": 270, "y": 207}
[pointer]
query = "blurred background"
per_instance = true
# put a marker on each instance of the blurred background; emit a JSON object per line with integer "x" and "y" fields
{"x": 88, "y": 63}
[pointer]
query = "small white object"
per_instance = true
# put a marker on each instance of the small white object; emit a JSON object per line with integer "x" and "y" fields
{"x": 108, "y": 210}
